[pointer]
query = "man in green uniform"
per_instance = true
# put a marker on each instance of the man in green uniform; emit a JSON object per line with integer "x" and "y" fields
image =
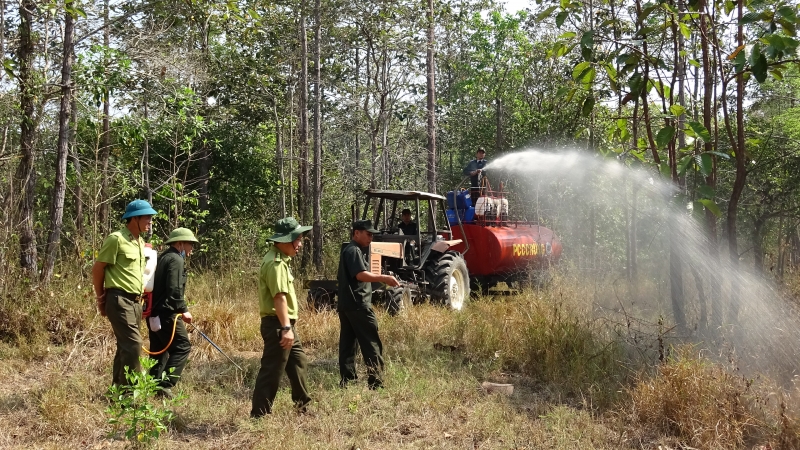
{"x": 117, "y": 280}
{"x": 278, "y": 307}
{"x": 168, "y": 306}
{"x": 359, "y": 326}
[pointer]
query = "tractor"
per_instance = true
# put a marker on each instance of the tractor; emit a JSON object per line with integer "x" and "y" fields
{"x": 425, "y": 263}
{"x": 458, "y": 247}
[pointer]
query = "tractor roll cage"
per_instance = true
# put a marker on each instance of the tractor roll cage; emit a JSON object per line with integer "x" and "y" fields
{"x": 380, "y": 213}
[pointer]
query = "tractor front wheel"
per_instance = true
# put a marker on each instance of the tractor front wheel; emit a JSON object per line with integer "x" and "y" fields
{"x": 450, "y": 281}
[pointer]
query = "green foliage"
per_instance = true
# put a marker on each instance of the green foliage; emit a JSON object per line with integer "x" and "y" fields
{"x": 134, "y": 407}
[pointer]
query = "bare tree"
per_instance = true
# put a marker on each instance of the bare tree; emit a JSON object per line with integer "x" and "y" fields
{"x": 105, "y": 145}
{"x": 317, "y": 230}
{"x": 431, "y": 88}
{"x": 62, "y": 147}
{"x": 26, "y": 171}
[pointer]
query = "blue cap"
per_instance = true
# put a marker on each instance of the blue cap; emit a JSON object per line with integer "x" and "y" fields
{"x": 138, "y": 208}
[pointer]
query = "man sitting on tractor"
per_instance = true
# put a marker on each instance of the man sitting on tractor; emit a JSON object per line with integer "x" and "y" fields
{"x": 407, "y": 226}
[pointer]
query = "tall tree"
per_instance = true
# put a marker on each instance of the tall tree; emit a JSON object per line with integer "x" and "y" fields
{"x": 304, "y": 191}
{"x": 431, "y": 100}
{"x": 105, "y": 137}
{"x": 62, "y": 146}
{"x": 317, "y": 227}
{"x": 26, "y": 171}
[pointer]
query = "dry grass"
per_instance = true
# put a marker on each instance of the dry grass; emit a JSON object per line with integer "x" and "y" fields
{"x": 565, "y": 370}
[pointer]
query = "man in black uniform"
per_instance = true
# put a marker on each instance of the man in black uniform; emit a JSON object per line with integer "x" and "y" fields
{"x": 474, "y": 170}
{"x": 408, "y": 226}
{"x": 170, "y": 311}
{"x": 359, "y": 326}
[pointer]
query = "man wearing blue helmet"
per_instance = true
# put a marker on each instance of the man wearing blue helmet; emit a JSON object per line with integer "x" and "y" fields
{"x": 117, "y": 279}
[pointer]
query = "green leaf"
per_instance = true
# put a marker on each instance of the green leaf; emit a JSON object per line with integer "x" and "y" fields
{"x": 562, "y": 91}
{"x": 706, "y": 191}
{"x": 729, "y": 5}
{"x": 788, "y": 12}
{"x": 695, "y": 63}
{"x": 588, "y": 106}
{"x": 677, "y": 110}
{"x": 685, "y": 30}
{"x": 758, "y": 64}
{"x": 700, "y": 131}
{"x": 546, "y": 13}
{"x": 704, "y": 162}
{"x": 587, "y": 40}
{"x": 560, "y": 18}
{"x": 751, "y": 17}
{"x": 683, "y": 164}
{"x": 664, "y": 136}
{"x": 568, "y": 35}
{"x": 711, "y": 206}
{"x": 622, "y": 124}
{"x": 720, "y": 154}
{"x": 611, "y": 72}
{"x": 580, "y": 70}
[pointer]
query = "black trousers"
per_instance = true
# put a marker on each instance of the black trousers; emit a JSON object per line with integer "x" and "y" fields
{"x": 360, "y": 328}
{"x": 176, "y": 356}
{"x": 274, "y": 362}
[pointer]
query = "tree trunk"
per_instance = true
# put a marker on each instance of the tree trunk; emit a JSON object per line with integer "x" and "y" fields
{"x": 279, "y": 156}
{"x": 26, "y": 173}
{"x": 741, "y": 175}
{"x": 2, "y": 35}
{"x": 146, "y": 163}
{"x": 498, "y": 137}
{"x": 76, "y": 164}
{"x": 105, "y": 142}
{"x": 303, "y": 196}
{"x": 758, "y": 244}
{"x": 431, "y": 86}
{"x": 317, "y": 226}
{"x": 62, "y": 151}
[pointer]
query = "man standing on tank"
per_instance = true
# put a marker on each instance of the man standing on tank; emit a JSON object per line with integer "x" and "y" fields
{"x": 359, "y": 326}
{"x": 117, "y": 278}
{"x": 474, "y": 170}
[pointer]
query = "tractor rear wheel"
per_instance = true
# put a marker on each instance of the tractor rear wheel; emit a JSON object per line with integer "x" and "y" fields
{"x": 450, "y": 281}
{"x": 320, "y": 299}
{"x": 395, "y": 301}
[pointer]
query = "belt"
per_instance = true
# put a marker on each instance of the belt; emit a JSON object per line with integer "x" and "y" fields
{"x": 128, "y": 295}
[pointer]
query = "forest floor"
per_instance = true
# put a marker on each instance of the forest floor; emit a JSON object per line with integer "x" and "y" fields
{"x": 574, "y": 387}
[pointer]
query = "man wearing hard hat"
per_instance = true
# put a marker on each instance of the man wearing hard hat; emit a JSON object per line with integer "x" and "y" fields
{"x": 169, "y": 341}
{"x": 117, "y": 280}
{"x": 278, "y": 307}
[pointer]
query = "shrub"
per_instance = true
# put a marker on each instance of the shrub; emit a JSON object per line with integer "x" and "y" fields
{"x": 133, "y": 407}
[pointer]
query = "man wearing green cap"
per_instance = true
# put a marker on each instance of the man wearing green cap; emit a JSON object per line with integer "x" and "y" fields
{"x": 278, "y": 307}
{"x": 117, "y": 279}
{"x": 168, "y": 306}
{"x": 359, "y": 326}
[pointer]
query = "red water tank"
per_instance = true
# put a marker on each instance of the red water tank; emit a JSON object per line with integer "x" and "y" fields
{"x": 501, "y": 250}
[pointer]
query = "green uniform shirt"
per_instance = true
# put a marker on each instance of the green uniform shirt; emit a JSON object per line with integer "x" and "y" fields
{"x": 353, "y": 294}
{"x": 274, "y": 278}
{"x": 124, "y": 255}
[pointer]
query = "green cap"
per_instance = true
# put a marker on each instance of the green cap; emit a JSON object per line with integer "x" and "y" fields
{"x": 287, "y": 230}
{"x": 181, "y": 235}
{"x": 365, "y": 225}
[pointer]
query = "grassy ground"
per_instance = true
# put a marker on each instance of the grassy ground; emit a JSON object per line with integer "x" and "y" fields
{"x": 574, "y": 387}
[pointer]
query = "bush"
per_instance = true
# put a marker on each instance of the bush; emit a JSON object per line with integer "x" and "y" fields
{"x": 132, "y": 406}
